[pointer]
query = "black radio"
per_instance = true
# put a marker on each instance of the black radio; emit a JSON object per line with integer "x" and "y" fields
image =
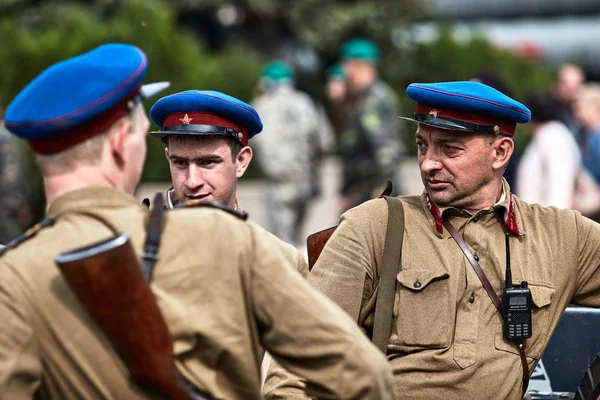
{"x": 516, "y": 304}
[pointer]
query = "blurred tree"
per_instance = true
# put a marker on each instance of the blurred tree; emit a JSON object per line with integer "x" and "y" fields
{"x": 173, "y": 53}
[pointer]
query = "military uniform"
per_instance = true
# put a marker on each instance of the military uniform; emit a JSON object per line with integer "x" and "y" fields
{"x": 296, "y": 257}
{"x": 447, "y": 337}
{"x": 370, "y": 145}
{"x": 221, "y": 306}
{"x": 289, "y": 149}
{"x": 223, "y": 286}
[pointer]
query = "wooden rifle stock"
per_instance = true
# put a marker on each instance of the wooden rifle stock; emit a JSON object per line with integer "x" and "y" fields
{"x": 108, "y": 280}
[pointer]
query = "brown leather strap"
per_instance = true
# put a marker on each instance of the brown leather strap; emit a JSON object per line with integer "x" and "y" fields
{"x": 491, "y": 293}
{"x": 152, "y": 243}
{"x": 391, "y": 264}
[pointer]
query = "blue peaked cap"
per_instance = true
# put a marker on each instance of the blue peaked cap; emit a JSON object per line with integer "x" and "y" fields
{"x": 80, "y": 90}
{"x": 205, "y": 112}
{"x": 466, "y": 106}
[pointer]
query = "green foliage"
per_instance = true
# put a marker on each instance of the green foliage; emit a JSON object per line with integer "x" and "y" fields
{"x": 174, "y": 54}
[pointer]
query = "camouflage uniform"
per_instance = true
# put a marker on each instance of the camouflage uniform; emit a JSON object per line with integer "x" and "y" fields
{"x": 370, "y": 146}
{"x": 295, "y": 135}
{"x": 12, "y": 182}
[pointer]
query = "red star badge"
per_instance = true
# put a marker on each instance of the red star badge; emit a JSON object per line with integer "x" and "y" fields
{"x": 186, "y": 120}
{"x": 433, "y": 112}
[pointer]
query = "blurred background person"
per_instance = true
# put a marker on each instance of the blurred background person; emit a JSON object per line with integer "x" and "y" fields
{"x": 336, "y": 92}
{"x": 369, "y": 146}
{"x": 587, "y": 112}
{"x": 551, "y": 161}
{"x": 569, "y": 81}
{"x": 296, "y": 133}
{"x": 15, "y": 213}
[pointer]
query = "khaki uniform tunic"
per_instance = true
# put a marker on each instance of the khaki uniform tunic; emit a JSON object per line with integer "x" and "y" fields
{"x": 446, "y": 340}
{"x": 296, "y": 257}
{"x": 223, "y": 286}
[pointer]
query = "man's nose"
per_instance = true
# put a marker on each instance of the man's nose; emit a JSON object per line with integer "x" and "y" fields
{"x": 430, "y": 162}
{"x": 194, "y": 177}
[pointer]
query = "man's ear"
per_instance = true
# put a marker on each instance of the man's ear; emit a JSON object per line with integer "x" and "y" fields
{"x": 242, "y": 160}
{"x": 167, "y": 153}
{"x": 503, "y": 149}
{"x": 117, "y": 138}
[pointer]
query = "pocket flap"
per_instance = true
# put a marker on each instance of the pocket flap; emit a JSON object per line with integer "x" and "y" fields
{"x": 541, "y": 295}
{"x": 417, "y": 279}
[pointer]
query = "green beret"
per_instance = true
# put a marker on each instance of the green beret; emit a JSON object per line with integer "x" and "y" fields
{"x": 359, "y": 49}
{"x": 277, "y": 71}
{"x": 336, "y": 72}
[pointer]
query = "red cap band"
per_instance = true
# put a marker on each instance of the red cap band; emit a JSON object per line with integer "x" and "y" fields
{"x": 199, "y": 118}
{"x": 507, "y": 128}
{"x": 82, "y": 132}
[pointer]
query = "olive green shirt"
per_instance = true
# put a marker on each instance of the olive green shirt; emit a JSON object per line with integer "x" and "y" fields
{"x": 223, "y": 286}
{"x": 446, "y": 340}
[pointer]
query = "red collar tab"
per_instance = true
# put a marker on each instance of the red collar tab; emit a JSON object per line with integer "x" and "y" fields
{"x": 511, "y": 217}
{"x": 82, "y": 132}
{"x": 510, "y": 222}
{"x": 507, "y": 128}
{"x": 435, "y": 212}
{"x": 200, "y": 118}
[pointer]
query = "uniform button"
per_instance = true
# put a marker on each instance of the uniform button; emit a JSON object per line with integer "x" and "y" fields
{"x": 472, "y": 298}
{"x": 417, "y": 284}
{"x": 475, "y": 219}
{"x": 476, "y": 258}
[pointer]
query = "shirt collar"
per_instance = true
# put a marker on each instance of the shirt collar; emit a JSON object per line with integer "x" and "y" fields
{"x": 512, "y": 219}
{"x": 92, "y": 197}
{"x": 170, "y": 204}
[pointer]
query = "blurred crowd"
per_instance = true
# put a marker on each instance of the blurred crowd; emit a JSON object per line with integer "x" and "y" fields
{"x": 560, "y": 166}
{"x": 556, "y": 160}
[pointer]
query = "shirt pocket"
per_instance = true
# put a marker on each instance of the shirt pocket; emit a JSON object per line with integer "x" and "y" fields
{"x": 422, "y": 311}
{"x": 541, "y": 296}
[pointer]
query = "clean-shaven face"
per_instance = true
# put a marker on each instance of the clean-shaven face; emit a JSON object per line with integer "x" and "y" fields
{"x": 203, "y": 171}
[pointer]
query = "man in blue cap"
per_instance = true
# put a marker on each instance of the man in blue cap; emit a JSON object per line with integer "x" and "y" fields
{"x": 206, "y": 134}
{"x": 451, "y": 337}
{"x": 369, "y": 144}
{"x": 221, "y": 286}
{"x": 289, "y": 150}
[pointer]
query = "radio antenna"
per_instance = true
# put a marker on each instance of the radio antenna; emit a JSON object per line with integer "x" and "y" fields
{"x": 508, "y": 283}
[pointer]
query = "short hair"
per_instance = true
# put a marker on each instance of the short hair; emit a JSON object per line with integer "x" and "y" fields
{"x": 88, "y": 152}
{"x": 234, "y": 145}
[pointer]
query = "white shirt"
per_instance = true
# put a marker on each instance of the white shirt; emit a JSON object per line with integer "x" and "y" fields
{"x": 549, "y": 167}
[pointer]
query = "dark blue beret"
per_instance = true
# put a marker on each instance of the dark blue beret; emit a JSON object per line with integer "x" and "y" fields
{"x": 205, "y": 112}
{"x": 466, "y": 106}
{"x": 78, "y": 97}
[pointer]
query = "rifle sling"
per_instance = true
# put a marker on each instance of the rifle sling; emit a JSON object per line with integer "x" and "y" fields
{"x": 491, "y": 293}
{"x": 391, "y": 265}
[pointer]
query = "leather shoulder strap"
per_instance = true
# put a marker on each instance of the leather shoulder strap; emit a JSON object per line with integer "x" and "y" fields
{"x": 152, "y": 243}
{"x": 491, "y": 293}
{"x": 243, "y": 215}
{"x": 391, "y": 265}
{"x": 28, "y": 234}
